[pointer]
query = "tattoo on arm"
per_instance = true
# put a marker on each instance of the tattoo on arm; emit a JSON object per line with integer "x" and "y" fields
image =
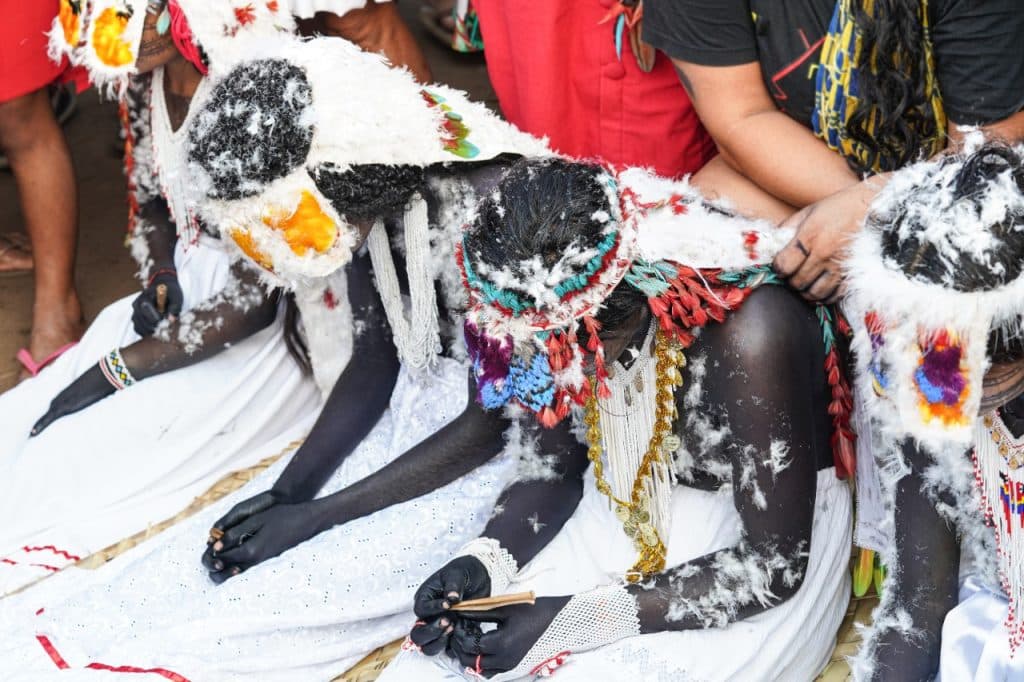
{"x": 155, "y": 46}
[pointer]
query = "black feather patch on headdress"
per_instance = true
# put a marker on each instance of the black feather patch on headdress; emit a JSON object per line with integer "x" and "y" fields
{"x": 254, "y": 128}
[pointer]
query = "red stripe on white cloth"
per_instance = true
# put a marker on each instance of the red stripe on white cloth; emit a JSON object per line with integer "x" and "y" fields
{"x": 50, "y": 548}
{"x": 12, "y": 562}
{"x": 59, "y": 661}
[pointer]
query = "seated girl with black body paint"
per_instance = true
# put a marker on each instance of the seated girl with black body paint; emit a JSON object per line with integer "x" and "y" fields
{"x": 177, "y": 385}
{"x": 593, "y": 296}
{"x": 325, "y": 550}
{"x": 194, "y": 370}
{"x": 935, "y": 298}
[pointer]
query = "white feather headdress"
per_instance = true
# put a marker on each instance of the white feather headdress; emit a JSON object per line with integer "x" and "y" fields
{"x": 930, "y": 279}
{"x": 301, "y": 111}
{"x": 106, "y": 35}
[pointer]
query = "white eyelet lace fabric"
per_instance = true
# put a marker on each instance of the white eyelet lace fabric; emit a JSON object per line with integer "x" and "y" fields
{"x": 590, "y": 619}
{"x": 500, "y": 565}
{"x": 308, "y": 614}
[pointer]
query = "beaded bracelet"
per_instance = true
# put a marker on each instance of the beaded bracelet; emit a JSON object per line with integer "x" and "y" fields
{"x": 500, "y": 565}
{"x": 116, "y": 371}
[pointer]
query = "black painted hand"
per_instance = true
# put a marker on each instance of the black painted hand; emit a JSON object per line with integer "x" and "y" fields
{"x": 461, "y": 578}
{"x": 84, "y": 391}
{"x": 261, "y": 536}
{"x": 146, "y": 313}
{"x": 500, "y": 650}
{"x": 243, "y": 510}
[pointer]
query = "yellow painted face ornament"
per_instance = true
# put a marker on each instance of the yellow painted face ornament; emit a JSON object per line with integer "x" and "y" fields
{"x": 108, "y": 37}
{"x": 70, "y": 17}
{"x": 305, "y": 228}
{"x": 293, "y": 235}
{"x": 308, "y": 227}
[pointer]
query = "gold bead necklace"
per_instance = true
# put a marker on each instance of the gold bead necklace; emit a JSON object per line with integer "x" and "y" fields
{"x": 635, "y": 514}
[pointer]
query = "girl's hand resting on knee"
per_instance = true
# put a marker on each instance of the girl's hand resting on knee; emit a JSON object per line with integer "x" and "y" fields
{"x": 84, "y": 391}
{"x": 261, "y": 535}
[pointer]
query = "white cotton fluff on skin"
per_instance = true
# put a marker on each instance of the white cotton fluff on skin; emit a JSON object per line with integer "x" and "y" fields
{"x": 456, "y": 207}
{"x": 742, "y": 577}
{"x": 887, "y": 617}
{"x": 698, "y": 368}
{"x": 138, "y": 246}
{"x": 524, "y": 446}
{"x": 778, "y": 459}
{"x": 189, "y": 331}
{"x": 707, "y": 441}
{"x": 748, "y": 458}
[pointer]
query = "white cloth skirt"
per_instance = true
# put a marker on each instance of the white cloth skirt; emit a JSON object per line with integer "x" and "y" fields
{"x": 791, "y": 642}
{"x": 305, "y": 9}
{"x": 975, "y": 645}
{"x": 140, "y": 455}
{"x": 306, "y": 615}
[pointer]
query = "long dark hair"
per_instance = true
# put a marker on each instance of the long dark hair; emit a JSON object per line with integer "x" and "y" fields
{"x": 895, "y": 121}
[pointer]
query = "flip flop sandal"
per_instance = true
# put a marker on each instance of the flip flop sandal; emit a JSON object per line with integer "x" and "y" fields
{"x": 9, "y": 245}
{"x": 18, "y": 240}
{"x": 34, "y": 368}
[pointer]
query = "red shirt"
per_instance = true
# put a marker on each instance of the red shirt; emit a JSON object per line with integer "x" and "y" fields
{"x": 556, "y": 73}
{"x": 24, "y": 64}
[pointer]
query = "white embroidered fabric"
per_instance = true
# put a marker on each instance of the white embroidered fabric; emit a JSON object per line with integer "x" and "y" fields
{"x": 140, "y": 456}
{"x": 792, "y": 641}
{"x": 500, "y": 565}
{"x": 590, "y": 619}
{"x": 999, "y": 473}
{"x": 308, "y": 614}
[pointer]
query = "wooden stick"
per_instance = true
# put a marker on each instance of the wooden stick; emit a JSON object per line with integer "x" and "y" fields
{"x": 490, "y": 603}
{"x": 216, "y": 534}
{"x": 161, "y": 298}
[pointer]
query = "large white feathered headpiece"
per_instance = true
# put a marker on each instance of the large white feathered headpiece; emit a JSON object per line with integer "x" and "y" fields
{"x": 275, "y": 146}
{"x": 106, "y": 35}
{"x": 935, "y": 278}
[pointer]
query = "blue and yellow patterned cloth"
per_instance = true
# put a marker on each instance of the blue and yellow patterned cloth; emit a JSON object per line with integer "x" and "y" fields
{"x": 837, "y": 93}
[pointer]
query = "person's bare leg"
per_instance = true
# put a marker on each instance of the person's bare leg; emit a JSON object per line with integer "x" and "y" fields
{"x": 378, "y": 27}
{"x": 41, "y": 163}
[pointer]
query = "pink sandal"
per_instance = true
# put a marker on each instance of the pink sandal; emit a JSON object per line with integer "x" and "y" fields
{"x": 33, "y": 367}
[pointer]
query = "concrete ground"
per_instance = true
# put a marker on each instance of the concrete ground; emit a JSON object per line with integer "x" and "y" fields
{"x": 105, "y": 269}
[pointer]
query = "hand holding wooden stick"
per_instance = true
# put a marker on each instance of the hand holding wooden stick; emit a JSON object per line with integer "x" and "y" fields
{"x": 491, "y": 603}
{"x": 161, "y": 298}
